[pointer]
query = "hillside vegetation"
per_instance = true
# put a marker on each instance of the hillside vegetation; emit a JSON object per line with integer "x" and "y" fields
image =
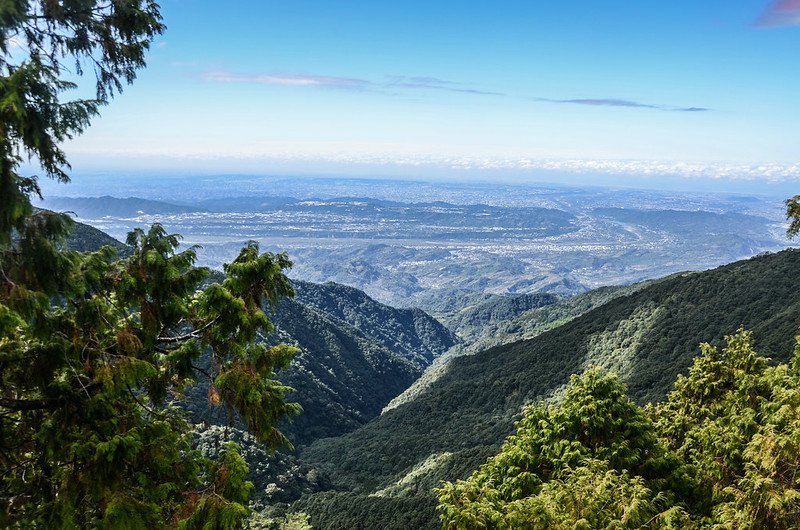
{"x": 469, "y": 319}
{"x": 648, "y": 337}
{"x": 723, "y": 451}
{"x": 85, "y": 238}
{"x": 354, "y": 356}
{"x": 489, "y": 332}
{"x": 410, "y": 333}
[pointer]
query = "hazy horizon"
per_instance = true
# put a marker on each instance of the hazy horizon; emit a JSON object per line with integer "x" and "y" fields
{"x": 128, "y": 183}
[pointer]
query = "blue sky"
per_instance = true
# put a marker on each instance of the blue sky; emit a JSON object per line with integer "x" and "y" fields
{"x": 705, "y": 88}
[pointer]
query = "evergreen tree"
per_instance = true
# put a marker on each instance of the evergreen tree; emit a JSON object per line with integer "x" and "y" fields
{"x": 723, "y": 451}
{"x": 736, "y": 421}
{"x": 95, "y": 351}
{"x": 593, "y": 461}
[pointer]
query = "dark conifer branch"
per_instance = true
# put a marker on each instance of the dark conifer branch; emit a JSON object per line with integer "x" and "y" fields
{"x": 21, "y": 405}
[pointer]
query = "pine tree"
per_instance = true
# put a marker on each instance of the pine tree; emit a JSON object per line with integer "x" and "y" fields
{"x": 95, "y": 351}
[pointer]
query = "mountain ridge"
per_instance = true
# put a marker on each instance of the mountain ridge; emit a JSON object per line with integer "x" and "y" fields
{"x": 648, "y": 336}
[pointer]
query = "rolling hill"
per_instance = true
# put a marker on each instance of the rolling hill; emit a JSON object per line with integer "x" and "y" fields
{"x": 85, "y": 238}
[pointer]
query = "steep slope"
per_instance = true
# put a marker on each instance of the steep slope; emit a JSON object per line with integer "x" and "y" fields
{"x": 535, "y": 321}
{"x": 495, "y": 332}
{"x": 356, "y": 355}
{"x": 342, "y": 376}
{"x": 85, "y": 238}
{"x": 648, "y": 336}
{"x": 470, "y": 321}
{"x": 411, "y": 333}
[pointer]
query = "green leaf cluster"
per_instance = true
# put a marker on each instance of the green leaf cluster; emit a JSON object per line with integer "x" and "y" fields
{"x": 41, "y": 42}
{"x": 723, "y": 451}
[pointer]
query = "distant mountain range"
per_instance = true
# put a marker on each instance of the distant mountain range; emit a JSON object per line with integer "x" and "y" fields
{"x": 106, "y": 206}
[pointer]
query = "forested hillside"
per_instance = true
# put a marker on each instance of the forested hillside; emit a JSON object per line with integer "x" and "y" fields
{"x": 411, "y": 333}
{"x": 486, "y": 331}
{"x": 348, "y": 370}
{"x": 720, "y": 452}
{"x": 355, "y": 356}
{"x": 470, "y": 319}
{"x": 86, "y": 238}
{"x": 648, "y": 337}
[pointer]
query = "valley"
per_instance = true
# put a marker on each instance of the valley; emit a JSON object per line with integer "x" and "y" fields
{"x": 389, "y": 467}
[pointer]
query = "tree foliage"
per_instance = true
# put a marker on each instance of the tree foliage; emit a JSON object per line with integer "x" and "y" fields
{"x": 94, "y": 350}
{"x": 723, "y": 451}
{"x": 42, "y": 43}
{"x": 793, "y": 215}
{"x": 89, "y": 363}
{"x": 591, "y": 461}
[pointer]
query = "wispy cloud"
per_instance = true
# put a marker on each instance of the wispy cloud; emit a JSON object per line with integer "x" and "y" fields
{"x": 771, "y": 172}
{"x": 434, "y": 83}
{"x": 780, "y": 13}
{"x": 393, "y": 83}
{"x": 615, "y": 102}
{"x": 605, "y": 102}
{"x": 396, "y": 85}
{"x": 299, "y": 80}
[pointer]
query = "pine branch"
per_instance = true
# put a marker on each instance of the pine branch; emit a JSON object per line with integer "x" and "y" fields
{"x": 24, "y": 405}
